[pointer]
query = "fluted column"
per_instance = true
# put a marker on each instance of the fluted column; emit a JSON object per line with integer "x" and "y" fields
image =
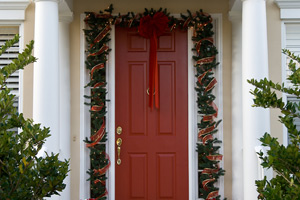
{"x": 256, "y": 121}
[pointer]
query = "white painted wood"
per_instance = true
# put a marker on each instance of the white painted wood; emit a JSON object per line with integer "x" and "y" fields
{"x": 14, "y": 4}
{"x": 192, "y": 121}
{"x": 46, "y": 72}
{"x": 12, "y": 15}
{"x": 236, "y": 103}
{"x": 256, "y": 121}
{"x": 21, "y": 47}
{"x": 84, "y": 188}
{"x": 288, "y": 4}
{"x": 110, "y": 75}
{"x": 13, "y": 10}
{"x": 218, "y": 90}
{"x": 290, "y": 13}
{"x": 289, "y": 9}
{"x": 283, "y": 71}
{"x": 65, "y": 102}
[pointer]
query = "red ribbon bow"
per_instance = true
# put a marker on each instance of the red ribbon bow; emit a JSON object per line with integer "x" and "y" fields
{"x": 152, "y": 28}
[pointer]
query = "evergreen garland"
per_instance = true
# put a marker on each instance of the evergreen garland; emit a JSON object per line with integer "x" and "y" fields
{"x": 97, "y": 37}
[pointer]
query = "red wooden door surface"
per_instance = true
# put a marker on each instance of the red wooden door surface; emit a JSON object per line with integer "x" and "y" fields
{"x": 154, "y": 150}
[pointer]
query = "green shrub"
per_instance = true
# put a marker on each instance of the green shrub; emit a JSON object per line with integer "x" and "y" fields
{"x": 285, "y": 160}
{"x": 24, "y": 175}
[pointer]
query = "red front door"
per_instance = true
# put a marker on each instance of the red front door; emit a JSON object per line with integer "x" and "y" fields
{"x": 154, "y": 149}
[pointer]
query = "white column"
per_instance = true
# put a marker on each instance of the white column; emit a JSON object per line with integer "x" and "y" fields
{"x": 237, "y": 106}
{"x": 256, "y": 121}
{"x": 65, "y": 100}
{"x": 46, "y": 73}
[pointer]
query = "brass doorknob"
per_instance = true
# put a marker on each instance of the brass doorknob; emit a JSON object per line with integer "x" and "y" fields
{"x": 119, "y": 143}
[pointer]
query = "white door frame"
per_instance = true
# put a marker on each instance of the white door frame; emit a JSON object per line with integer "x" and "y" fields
{"x": 110, "y": 122}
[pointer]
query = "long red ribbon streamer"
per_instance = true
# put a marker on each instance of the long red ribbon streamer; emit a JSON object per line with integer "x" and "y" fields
{"x": 152, "y": 28}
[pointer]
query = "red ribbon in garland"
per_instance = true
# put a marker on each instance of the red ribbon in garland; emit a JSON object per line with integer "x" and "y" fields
{"x": 205, "y": 182}
{"x": 199, "y": 43}
{"x": 215, "y": 108}
{"x": 101, "y": 35}
{"x": 103, "y": 48}
{"x": 187, "y": 21}
{"x": 212, "y": 195}
{"x": 152, "y": 28}
{"x": 211, "y": 85}
{"x": 104, "y": 169}
{"x": 206, "y": 130}
{"x": 97, "y": 108}
{"x": 101, "y": 172}
{"x": 206, "y": 138}
{"x": 215, "y": 157}
{"x": 97, "y": 137}
{"x": 206, "y": 60}
{"x": 96, "y": 67}
{"x": 210, "y": 171}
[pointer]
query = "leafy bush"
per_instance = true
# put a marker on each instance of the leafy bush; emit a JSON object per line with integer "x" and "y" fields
{"x": 24, "y": 175}
{"x": 285, "y": 160}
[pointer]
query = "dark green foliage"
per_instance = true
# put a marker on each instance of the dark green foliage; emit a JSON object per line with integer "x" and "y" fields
{"x": 285, "y": 160}
{"x": 24, "y": 175}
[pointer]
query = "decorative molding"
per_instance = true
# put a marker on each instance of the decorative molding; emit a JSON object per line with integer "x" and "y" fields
{"x": 289, "y": 9}
{"x": 288, "y": 4}
{"x": 14, "y": 5}
{"x": 13, "y": 10}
